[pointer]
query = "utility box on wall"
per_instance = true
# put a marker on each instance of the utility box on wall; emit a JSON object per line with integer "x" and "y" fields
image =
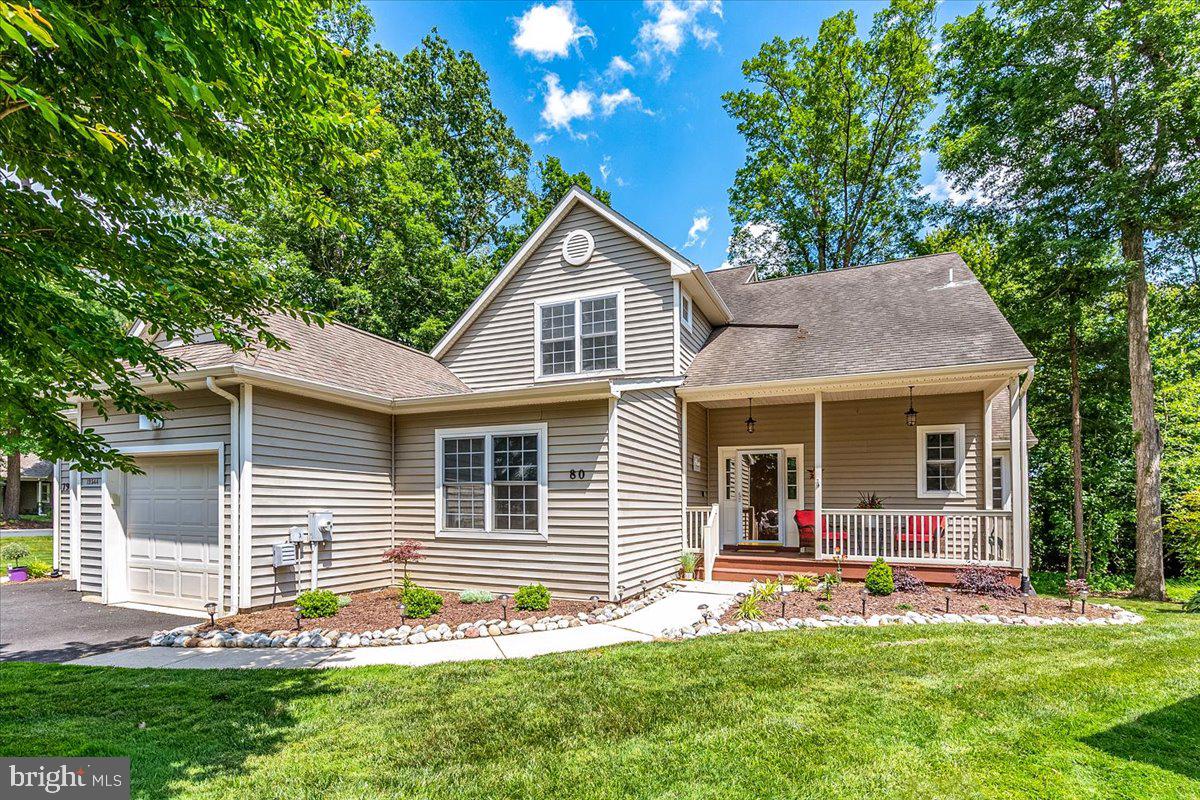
{"x": 283, "y": 555}
{"x": 320, "y": 526}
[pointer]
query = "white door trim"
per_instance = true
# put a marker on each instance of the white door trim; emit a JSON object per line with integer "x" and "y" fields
{"x": 113, "y": 576}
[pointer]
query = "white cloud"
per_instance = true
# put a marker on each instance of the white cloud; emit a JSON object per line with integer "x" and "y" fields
{"x": 617, "y": 67}
{"x": 562, "y": 108}
{"x": 541, "y": 137}
{"x": 548, "y": 32}
{"x": 698, "y": 233}
{"x": 672, "y": 23}
{"x": 606, "y": 168}
{"x": 611, "y": 101}
{"x": 940, "y": 190}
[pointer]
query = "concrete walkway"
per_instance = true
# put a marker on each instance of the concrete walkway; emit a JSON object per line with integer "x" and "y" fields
{"x": 680, "y": 608}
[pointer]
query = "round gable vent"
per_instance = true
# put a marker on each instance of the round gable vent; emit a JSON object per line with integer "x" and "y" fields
{"x": 578, "y": 247}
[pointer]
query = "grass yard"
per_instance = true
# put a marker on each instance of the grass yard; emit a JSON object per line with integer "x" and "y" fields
{"x": 41, "y": 548}
{"x": 938, "y": 712}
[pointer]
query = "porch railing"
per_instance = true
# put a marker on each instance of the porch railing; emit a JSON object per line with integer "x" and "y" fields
{"x": 700, "y": 534}
{"x": 953, "y": 537}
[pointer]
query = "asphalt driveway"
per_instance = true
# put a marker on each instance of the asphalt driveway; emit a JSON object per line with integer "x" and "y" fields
{"x": 47, "y": 621}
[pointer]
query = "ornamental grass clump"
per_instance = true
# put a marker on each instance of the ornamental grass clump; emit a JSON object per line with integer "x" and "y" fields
{"x": 317, "y": 603}
{"x": 804, "y": 583}
{"x": 533, "y": 597}
{"x": 749, "y": 608}
{"x": 420, "y": 602}
{"x": 879, "y": 579}
{"x": 475, "y": 596}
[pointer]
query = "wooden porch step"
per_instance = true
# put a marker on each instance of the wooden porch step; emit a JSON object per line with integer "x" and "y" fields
{"x": 746, "y": 567}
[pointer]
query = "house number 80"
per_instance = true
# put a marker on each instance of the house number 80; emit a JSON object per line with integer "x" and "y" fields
{"x": 578, "y": 474}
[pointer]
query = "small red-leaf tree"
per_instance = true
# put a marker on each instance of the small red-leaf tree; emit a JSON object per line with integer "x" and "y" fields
{"x": 405, "y": 553}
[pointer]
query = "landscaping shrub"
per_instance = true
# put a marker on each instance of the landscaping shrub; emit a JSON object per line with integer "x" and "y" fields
{"x": 749, "y": 608}
{"x": 420, "y": 602}
{"x": 1076, "y": 587}
{"x": 343, "y": 600}
{"x": 688, "y": 561}
{"x": 39, "y": 569}
{"x": 1110, "y": 584}
{"x": 983, "y": 580}
{"x": 879, "y": 579}
{"x": 905, "y": 580}
{"x": 475, "y": 596}
{"x": 317, "y": 603}
{"x": 767, "y": 590}
{"x": 1192, "y": 606}
{"x": 14, "y": 553}
{"x": 405, "y": 553}
{"x": 533, "y": 597}
{"x": 803, "y": 583}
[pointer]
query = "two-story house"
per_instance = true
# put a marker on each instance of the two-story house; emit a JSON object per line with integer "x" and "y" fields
{"x": 602, "y": 406}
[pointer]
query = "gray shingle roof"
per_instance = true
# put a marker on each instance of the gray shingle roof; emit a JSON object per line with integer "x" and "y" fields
{"x": 32, "y": 467}
{"x": 337, "y": 354}
{"x": 891, "y": 316}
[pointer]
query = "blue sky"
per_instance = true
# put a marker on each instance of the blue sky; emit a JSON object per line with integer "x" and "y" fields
{"x": 629, "y": 92}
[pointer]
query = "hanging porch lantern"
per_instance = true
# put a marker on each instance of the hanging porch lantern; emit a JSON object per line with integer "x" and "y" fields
{"x": 910, "y": 416}
{"x": 750, "y": 419}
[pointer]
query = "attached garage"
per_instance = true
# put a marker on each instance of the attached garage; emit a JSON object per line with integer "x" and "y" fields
{"x": 172, "y": 531}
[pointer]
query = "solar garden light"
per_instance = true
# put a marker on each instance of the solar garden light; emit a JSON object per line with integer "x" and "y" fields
{"x": 211, "y": 608}
{"x": 504, "y": 605}
{"x": 400, "y": 608}
{"x": 864, "y": 601}
{"x": 1083, "y": 601}
{"x": 949, "y": 594}
{"x": 1025, "y": 601}
{"x": 703, "y": 609}
{"x": 644, "y": 588}
{"x": 298, "y": 615}
{"x": 595, "y": 600}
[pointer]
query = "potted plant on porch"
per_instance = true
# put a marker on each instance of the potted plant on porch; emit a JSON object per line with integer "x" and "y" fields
{"x": 12, "y": 554}
{"x": 688, "y": 561}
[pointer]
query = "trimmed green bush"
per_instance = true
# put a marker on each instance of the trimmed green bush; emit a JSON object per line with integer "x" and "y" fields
{"x": 1192, "y": 606}
{"x": 317, "y": 603}
{"x": 475, "y": 596}
{"x": 879, "y": 579}
{"x": 39, "y": 569}
{"x": 14, "y": 553}
{"x": 533, "y": 597}
{"x": 420, "y": 602}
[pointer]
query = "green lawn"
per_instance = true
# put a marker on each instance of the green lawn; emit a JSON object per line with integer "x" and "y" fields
{"x": 41, "y": 548}
{"x": 938, "y": 712}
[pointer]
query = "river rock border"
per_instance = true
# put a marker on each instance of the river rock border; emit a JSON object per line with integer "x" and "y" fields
{"x": 192, "y": 636}
{"x": 709, "y": 625}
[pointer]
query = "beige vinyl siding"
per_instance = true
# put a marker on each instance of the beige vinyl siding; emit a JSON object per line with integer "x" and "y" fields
{"x": 650, "y": 515}
{"x": 867, "y": 446}
{"x": 497, "y": 350}
{"x": 697, "y": 444}
{"x": 572, "y": 561}
{"x": 309, "y": 454}
{"x": 198, "y": 416}
{"x": 692, "y": 337}
{"x": 62, "y": 518}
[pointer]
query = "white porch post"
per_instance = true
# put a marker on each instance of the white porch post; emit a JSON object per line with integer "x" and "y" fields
{"x": 1016, "y": 436}
{"x": 818, "y": 488}
{"x": 1024, "y": 450}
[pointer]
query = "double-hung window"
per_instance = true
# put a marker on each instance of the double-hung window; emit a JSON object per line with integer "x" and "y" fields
{"x": 579, "y": 335}
{"x": 941, "y": 461}
{"x": 685, "y": 309}
{"x": 492, "y": 480}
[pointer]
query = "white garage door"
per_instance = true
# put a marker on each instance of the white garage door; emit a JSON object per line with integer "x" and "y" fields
{"x": 172, "y": 525}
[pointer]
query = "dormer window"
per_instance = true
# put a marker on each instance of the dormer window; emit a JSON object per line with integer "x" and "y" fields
{"x": 579, "y": 335}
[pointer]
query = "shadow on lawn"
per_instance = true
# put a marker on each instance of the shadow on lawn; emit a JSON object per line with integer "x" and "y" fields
{"x": 180, "y": 727}
{"x": 1168, "y": 738}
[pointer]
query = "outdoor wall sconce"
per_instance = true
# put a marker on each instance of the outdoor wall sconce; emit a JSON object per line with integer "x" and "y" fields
{"x": 910, "y": 416}
{"x": 211, "y": 608}
{"x": 750, "y": 419}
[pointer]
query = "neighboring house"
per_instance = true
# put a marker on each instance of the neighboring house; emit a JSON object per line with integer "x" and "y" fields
{"x": 37, "y": 483}
{"x": 581, "y": 424}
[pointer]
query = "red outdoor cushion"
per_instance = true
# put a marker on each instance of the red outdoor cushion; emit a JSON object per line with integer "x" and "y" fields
{"x": 922, "y": 528}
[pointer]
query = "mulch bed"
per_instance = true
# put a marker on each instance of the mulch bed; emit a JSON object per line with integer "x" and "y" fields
{"x": 24, "y": 525}
{"x": 847, "y": 601}
{"x": 376, "y": 610}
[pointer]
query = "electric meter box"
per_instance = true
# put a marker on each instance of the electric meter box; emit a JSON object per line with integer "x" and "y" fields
{"x": 320, "y": 526}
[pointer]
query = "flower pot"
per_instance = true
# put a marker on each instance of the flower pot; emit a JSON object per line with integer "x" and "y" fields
{"x": 18, "y": 574}
{"x": 689, "y": 576}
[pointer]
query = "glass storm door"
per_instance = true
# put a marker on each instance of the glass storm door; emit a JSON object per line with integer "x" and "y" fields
{"x": 759, "y": 490}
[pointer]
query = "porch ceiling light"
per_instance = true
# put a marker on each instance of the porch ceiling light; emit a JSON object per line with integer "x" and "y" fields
{"x": 910, "y": 416}
{"x": 750, "y": 419}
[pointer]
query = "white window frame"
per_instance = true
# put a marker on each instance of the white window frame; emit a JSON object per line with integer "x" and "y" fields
{"x": 577, "y": 299}
{"x": 1005, "y": 474}
{"x": 685, "y": 309}
{"x": 960, "y": 460}
{"x": 489, "y": 532}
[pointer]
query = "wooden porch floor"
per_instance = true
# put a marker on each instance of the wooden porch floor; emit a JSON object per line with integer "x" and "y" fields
{"x": 762, "y": 562}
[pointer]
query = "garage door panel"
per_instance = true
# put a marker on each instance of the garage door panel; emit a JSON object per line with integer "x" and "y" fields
{"x": 172, "y": 527}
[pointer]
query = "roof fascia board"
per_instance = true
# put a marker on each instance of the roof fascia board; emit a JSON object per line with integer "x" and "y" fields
{"x": 857, "y": 380}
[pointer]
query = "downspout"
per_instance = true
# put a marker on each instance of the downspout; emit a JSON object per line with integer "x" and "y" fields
{"x": 235, "y": 517}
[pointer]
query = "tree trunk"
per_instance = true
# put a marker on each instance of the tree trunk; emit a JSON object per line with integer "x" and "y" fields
{"x": 1082, "y": 566}
{"x": 12, "y": 485}
{"x": 1148, "y": 574}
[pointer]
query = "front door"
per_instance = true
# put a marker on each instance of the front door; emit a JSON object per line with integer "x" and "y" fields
{"x": 752, "y": 501}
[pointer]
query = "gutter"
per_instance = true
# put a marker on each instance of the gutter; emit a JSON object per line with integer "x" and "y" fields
{"x": 235, "y": 469}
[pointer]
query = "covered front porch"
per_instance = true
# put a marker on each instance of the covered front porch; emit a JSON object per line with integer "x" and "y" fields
{"x": 808, "y": 479}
